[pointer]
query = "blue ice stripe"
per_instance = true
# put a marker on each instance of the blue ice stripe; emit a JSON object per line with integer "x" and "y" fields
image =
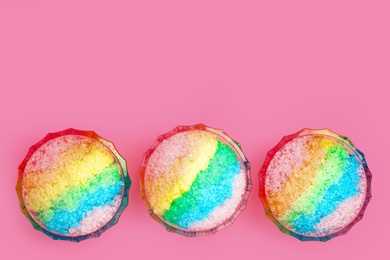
{"x": 63, "y": 220}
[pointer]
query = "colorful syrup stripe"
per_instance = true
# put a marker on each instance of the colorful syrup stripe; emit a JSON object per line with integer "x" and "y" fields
{"x": 192, "y": 175}
{"x": 68, "y": 180}
{"x": 314, "y": 185}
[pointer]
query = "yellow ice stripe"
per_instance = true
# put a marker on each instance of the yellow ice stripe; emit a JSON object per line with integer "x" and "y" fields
{"x": 167, "y": 187}
{"x": 74, "y": 167}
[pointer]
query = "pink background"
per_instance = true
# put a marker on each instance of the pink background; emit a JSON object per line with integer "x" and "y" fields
{"x": 131, "y": 70}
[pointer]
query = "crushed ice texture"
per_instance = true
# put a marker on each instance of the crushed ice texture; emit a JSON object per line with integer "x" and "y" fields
{"x": 328, "y": 202}
{"x": 69, "y": 181}
{"x": 205, "y": 198}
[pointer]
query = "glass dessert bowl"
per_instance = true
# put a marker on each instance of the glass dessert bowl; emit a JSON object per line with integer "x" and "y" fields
{"x": 315, "y": 185}
{"x": 73, "y": 185}
{"x": 195, "y": 180}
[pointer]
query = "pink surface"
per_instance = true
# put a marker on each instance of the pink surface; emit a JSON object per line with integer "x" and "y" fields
{"x": 132, "y": 70}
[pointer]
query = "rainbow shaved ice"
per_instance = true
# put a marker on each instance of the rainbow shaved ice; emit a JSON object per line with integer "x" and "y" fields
{"x": 73, "y": 185}
{"x": 195, "y": 180}
{"x": 315, "y": 185}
